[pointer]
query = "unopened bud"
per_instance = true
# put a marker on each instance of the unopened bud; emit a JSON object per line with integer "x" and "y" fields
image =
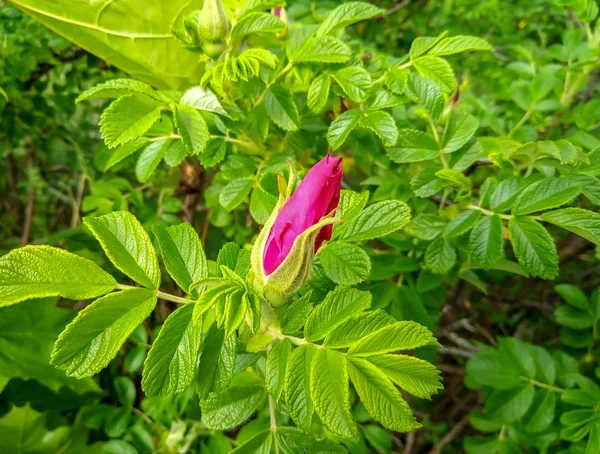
{"x": 213, "y": 24}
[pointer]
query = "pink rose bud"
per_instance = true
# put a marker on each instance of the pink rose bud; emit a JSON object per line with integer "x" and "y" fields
{"x": 283, "y": 252}
{"x": 277, "y": 12}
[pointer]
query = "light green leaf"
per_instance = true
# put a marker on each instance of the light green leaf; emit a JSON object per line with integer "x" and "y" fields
{"x": 422, "y": 44}
{"x": 413, "y": 146}
{"x": 440, "y": 255}
{"x": 350, "y": 205}
{"x": 261, "y": 443}
{"x": 128, "y": 118}
{"x": 486, "y": 242}
{"x": 318, "y": 93}
{"x": 175, "y": 154}
{"x": 38, "y": 271}
{"x": 356, "y": 327}
{"x": 330, "y": 394}
{"x": 504, "y": 195}
{"x": 581, "y": 222}
{"x": 93, "y": 339}
{"x": 192, "y": 129}
{"x": 454, "y": 178}
{"x": 122, "y": 151}
{"x": 346, "y": 14}
{"x": 545, "y": 194}
{"x": 380, "y": 397}
{"x": 296, "y": 314}
{"x": 345, "y": 263}
{"x": 235, "y": 192}
{"x": 127, "y": 245}
{"x": 461, "y": 43}
{"x": 338, "y": 305}
{"x": 382, "y": 124}
{"x": 150, "y": 159}
{"x": 170, "y": 366}
{"x": 341, "y": 127}
{"x": 297, "y": 386}
{"x": 438, "y": 70}
{"x": 355, "y": 81}
{"x": 405, "y": 335}
{"x": 230, "y": 408}
{"x": 217, "y": 362}
{"x": 120, "y": 87}
{"x": 249, "y": 6}
{"x": 395, "y": 79}
{"x": 426, "y": 226}
{"x": 541, "y": 414}
{"x": 202, "y": 99}
{"x": 275, "y": 367}
{"x": 281, "y": 108}
{"x": 377, "y": 220}
{"x": 325, "y": 49}
{"x": 462, "y": 223}
{"x": 257, "y": 23}
{"x": 262, "y": 204}
{"x": 236, "y": 307}
{"x": 413, "y": 375}
{"x": 460, "y": 128}
{"x": 426, "y": 93}
{"x": 533, "y": 247}
{"x": 182, "y": 254}
{"x": 144, "y": 48}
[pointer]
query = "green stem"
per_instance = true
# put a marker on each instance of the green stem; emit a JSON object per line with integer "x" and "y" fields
{"x": 161, "y": 295}
{"x": 521, "y": 122}
{"x": 170, "y": 136}
{"x": 294, "y": 340}
{"x": 543, "y": 385}
{"x": 490, "y": 213}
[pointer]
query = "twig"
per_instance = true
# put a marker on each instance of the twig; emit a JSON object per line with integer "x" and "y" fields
{"x": 30, "y": 209}
{"x": 450, "y": 436}
{"x": 78, "y": 197}
{"x": 410, "y": 442}
{"x": 395, "y": 8}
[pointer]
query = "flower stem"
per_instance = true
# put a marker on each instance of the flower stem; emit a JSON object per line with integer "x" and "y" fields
{"x": 161, "y": 295}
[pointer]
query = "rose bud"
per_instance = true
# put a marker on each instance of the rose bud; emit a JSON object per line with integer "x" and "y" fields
{"x": 213, "y": 24}
{"x": 283, "y": 252}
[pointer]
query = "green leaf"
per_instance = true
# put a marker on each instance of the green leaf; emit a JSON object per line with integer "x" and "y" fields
{"x": 438, "y": 70}
{"x": 217, "y": 362}
{"x": 504, "y": 195}
{"x": 341, "y": 127}
{"x": 345, "y": 263}
{"x": 182, "y": 253}
{"x": 355, "y": 81}
{"x": 350, "y": 205}
{"x": 405, "y": 335}
{"x": 192, "y": 129}
{"x": 461, "y": 43}
{"x": 512, "y": 404}
{"x": 380, "y": 397}
{"x": 330, "y": 394}
{"x": 413, "y": 146}
{"x": 93, "y": 339}
{"x": 533, "y": 247}
{"x": 492, "y": 368}
{"x": 27, "y": 334}
{"x": 413, "y": 375}
{"x": 262, "y": 205}
{"x": 258, "y": 5}
{"x": 127, "y": 119}
{"x": 202, "y": 99}
{"x": 573, "y": 296}
{"x": 127, "y": 245}
{"x": 121, "y": 152}
{"x": 581, "y": 222}
{"x": 426, "y": 226}
{"x": 454, "y": 178}
{"x": 426, "y": 93}
{"x": 38, "y": 271}
{"x": 395, "y": 79}
{"x": 356, "y": 327}
{"x": 318, "y": 93}
{"x": 260, "y": 443}
{"x": 462, "y": 223}
{"x": 275, "y": 367}
{"x": 325, "y": 49}
{"x": 422, "y": 44}
{"x": 338, "y": 305}
{"x": 541, "y": 413}
{"x": 573, "y": 318}
{"x": 235, "y": 193}
{"x": 117, "y": 88}
{"x": 382, "y": 124}
{"x": 440, "y": 256}
{"x": 297, "y": 386}
{"x": 150, "y": 159}
{"x": 460, "y": 128}
{"x": 296, "y": 314}
{"x": 377, "y": 220}
{"x": 230, "y": 408}
{"x": 175, "y": 154}
{"x": 347, "y": 14}
{"x": 281, "y": 108}
{"x": 545, "y": 194}
{"x": 170, "y": 366}
{"x": 486, "y": 242}
{"x": 236, "y": 307}
{"x": 257, "y": 23}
